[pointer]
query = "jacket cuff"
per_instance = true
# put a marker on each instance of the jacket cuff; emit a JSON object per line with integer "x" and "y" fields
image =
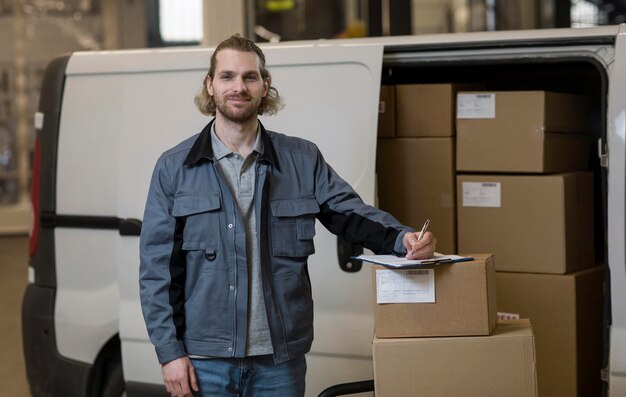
{"x": 398, "y": 247}
{"x": 170, "y": 352}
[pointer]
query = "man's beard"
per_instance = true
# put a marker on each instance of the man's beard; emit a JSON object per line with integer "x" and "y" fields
{"x": 238, "y": 114}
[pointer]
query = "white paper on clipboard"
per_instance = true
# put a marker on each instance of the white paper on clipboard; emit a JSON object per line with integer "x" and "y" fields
{"x": 405, "y": 286}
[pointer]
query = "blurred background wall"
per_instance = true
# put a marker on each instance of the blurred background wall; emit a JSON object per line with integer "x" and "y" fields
{"x": 32, "y": 32}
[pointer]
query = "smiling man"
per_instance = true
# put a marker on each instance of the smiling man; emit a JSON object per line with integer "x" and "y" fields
{"x": 228, "y": 228}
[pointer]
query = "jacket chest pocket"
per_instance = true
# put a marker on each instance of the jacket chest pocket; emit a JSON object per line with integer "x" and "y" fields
{"x": 201, "y": 211}
{"x": 293, "y": 227}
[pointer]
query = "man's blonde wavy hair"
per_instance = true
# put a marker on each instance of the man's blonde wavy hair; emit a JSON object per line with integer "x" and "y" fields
{"x": 270, "y": 104}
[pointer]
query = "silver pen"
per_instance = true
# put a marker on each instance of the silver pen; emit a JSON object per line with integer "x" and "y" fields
{"x": 424, "y": 229}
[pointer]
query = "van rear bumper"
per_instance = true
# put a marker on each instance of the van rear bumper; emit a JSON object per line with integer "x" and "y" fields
{"x": 48, "y": 373}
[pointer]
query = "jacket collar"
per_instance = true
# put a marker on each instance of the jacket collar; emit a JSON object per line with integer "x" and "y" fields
{"x": 202, "y": 148}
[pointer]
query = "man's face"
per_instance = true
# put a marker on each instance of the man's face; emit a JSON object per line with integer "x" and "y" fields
{"x": 237, "y": 86}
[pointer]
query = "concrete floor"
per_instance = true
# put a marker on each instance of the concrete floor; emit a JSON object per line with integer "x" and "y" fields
{"x": 13, "y": 281}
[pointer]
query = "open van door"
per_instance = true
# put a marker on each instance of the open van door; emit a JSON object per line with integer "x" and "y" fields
{"x": 331, "y": 94}
{"x": 616, "y": 140}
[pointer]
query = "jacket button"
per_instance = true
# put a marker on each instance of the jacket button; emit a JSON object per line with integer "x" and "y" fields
{"x": 232, "y": 287}
{"x": 230, "y": 225}
{"x": 230, "y": 349}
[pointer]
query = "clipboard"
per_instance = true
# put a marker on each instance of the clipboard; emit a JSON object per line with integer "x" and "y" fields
{"x": 399, "y": 262}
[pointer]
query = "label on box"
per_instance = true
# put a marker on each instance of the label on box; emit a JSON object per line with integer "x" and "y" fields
{"x": 508, "y": 316}
{"x": 476, "y": 106}
{"x": 481, "y": 194}
{"x": 405, "y": 286}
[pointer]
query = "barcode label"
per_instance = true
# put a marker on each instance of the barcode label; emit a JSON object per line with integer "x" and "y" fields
{"x": 416, "y": 272}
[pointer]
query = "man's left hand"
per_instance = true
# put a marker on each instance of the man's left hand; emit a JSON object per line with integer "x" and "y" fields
{"x": 416, "y": 248}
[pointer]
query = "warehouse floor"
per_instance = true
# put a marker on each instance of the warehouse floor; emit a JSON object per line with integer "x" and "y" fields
{"x": 13, "y": 281}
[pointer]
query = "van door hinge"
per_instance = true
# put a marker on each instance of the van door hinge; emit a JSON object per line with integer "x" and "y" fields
{"x": 603, "y": 154}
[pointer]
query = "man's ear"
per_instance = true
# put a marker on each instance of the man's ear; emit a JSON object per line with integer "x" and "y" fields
{"x": 266, "y": 86}
{"x": 209, "y": 85}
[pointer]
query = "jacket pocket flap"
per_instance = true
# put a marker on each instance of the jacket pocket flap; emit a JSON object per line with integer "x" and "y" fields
{"x": 195, "y": 203}
{"x": 294, "y": 207}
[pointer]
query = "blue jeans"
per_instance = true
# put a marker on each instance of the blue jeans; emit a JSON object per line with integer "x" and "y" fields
{"x": 255, "y": 376}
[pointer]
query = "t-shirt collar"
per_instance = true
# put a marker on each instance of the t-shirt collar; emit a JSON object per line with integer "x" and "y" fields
{"x": 220, "y": 150}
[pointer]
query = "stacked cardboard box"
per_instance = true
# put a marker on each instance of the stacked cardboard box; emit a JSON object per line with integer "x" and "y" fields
{"x": 461, "y": 299}
{"x": 565, "y": 311}
{"x": 501, "y": 364}
{"x": 529, "y": 199}
{"x": 522, "y": 131}
{"x": 415, "y": 160}
{"x": 533, "y": 223}
{"x": 436, "y": 334}
{"x": 416, "y": 182}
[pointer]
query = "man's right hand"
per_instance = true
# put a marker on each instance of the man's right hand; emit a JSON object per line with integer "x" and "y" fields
{"x": 178, "y": 375}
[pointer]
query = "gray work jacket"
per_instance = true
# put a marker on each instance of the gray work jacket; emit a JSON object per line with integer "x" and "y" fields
{"x": 193, "y": 273}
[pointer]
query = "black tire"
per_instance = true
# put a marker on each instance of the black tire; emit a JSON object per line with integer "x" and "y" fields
{"x": 114, "y": 385}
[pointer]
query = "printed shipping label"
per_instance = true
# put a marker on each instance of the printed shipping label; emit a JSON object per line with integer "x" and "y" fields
{"x": 405, "y": 286}
{"x": 476, "y": 106}
{"x": 481, "y": 194}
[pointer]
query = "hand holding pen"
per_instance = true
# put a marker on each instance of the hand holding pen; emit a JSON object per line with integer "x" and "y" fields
{"x": 420, "y": 245}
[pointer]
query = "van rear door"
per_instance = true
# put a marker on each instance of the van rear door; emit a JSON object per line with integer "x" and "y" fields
{"x": 332, "y": 99}
{"x": 616, "y": 135}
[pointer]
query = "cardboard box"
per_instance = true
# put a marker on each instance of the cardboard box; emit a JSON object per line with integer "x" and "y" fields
{"x": 566, "y": 314}
{"x": 502, "y": 364}
{"x": 416, "y": 181}
{"x": 522, "y": 131}
{"x": 387, "y": 112}
{"x": 457, "y": 299}
{"x": 426, "y": 110}
{"x": 532, "y": 223}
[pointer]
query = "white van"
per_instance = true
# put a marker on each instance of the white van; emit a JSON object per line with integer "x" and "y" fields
{"x": 105, "y": 117}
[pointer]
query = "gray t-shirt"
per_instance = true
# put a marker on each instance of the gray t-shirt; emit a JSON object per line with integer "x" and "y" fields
{"x": 239, "y": 175}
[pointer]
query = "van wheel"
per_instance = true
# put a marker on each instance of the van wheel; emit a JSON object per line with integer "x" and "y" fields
{"x": 114, "y": 385}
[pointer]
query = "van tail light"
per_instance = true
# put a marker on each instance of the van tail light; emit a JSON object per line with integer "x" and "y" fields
{"x": 35, "y": 188}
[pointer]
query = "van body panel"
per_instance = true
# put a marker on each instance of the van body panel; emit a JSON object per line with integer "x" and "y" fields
{"x": 88, "y": 140}
{"x": 87, "y": 298}
{"x": 499, "y": 39}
